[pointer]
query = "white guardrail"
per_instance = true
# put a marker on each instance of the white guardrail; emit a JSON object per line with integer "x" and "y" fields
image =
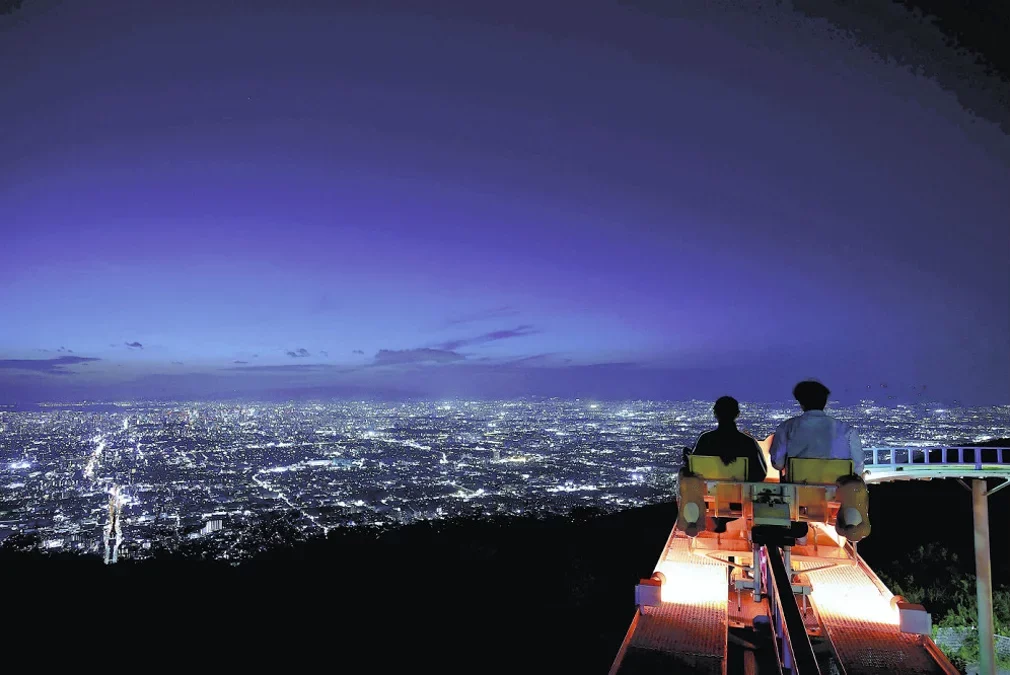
{"x": 882, "y": 464}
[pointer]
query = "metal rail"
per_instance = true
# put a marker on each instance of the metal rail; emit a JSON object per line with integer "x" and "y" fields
{"x": 796, "y": 654}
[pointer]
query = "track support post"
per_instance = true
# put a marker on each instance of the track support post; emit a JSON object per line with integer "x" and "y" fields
{"x": 983, "y": 578}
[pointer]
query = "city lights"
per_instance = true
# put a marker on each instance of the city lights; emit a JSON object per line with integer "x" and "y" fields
{"x": 170, "y": 469}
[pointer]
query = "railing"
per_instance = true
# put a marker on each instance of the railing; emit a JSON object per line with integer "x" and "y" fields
{"x": 796, "y": 655}
{"x": 967, "y": 455}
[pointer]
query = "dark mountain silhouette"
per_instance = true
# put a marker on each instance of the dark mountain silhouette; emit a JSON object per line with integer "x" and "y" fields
{"x": 530, "y": 594}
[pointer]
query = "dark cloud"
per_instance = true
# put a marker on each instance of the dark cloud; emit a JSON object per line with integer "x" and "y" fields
{"x": 134, "y": 345}
{"x": 424, "y": 355}
{"x": 496, "y": 313}
{"x": 545, "y": 359}
{"x": 536, "y": 360}
{"x": 240, "y": 363}
{"x": 46, "y": 351}
{"x": 438, "y": 375}
{"x": 324, "y": 354}
{"x": 64, "y": 350}
{"x": 178, "y": 363}
{"x": 255, "y": 356}
{"x": 299, "y": 353}
{"x": 57, "y": 366}
{"x": 292, "y": 368}
{"x": 360, "y": 352}
{"x": 493, "y": 336}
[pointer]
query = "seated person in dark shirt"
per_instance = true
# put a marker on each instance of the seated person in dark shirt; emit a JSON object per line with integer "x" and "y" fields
{"x": 728, "y": 443}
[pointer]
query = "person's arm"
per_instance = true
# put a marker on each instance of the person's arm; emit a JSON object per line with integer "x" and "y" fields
{"x": 687, "y": 451}
{"x": 701, "y": 445}
{"x": 856, "y": 450}
{"x": 778, "y": 449}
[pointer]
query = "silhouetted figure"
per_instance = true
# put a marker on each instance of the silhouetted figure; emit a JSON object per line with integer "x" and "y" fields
{"x": 728, "y": 443}
{"x": 815, "y": 434}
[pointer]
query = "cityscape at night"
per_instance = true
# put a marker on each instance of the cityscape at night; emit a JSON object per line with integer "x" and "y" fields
{"x": 128, "y": 480}
{"x": 561, "y": 336}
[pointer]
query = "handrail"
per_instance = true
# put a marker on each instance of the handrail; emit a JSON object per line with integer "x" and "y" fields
{"x": 796, "y": 654}
{"x": 936, "y": 454}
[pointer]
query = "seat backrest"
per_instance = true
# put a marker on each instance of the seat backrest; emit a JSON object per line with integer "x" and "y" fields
{"x": 712, "y": 468}
{"x": 812, "y": 470}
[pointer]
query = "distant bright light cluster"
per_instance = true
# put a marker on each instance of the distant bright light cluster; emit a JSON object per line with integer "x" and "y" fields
{"x": 162, "y": 472}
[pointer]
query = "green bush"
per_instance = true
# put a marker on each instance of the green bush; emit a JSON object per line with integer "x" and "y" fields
{"x": 934, "y": 577}
{"x": 968, "y": 653}
{"x": 955, "y": 657}
{"x": 965, "y": 613}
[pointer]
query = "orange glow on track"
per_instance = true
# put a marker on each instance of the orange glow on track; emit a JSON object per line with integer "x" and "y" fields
{"x": 857, "y": 601}
{"x": 693, "y": 584}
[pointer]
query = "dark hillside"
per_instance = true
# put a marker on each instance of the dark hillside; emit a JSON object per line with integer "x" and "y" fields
{"x": 906, "y": 516}
{"x": 526, "y": 594}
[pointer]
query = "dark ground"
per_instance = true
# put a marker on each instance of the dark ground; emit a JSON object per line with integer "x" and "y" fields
{"x": 527, "y": 594}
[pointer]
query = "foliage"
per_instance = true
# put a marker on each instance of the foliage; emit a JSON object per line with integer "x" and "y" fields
{"x": 965, "y": 613}
{"x": 933, "y": 576}
{"x": 956, "y": 657}
{"x": 968, "y": 653}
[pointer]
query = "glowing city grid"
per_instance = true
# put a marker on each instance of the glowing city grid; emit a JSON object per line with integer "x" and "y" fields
{"x": 133, "y": 480}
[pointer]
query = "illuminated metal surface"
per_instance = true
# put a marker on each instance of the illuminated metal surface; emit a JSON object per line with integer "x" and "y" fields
{"x": 863, "y": 626}
{"x": 687, "y": 632}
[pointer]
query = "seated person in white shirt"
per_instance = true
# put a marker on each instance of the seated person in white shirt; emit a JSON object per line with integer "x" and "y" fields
{"x": 814, "y": 433}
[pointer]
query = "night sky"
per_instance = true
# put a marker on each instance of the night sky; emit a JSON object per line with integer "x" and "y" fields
{"x": 596, "y": 199}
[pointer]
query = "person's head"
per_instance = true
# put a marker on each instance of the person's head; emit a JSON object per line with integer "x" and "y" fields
{"x": 811, "y": 395}
{"x": 726, "y": 409}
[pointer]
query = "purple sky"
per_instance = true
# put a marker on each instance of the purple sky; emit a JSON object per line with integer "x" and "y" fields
{"x": 197, "y": 200}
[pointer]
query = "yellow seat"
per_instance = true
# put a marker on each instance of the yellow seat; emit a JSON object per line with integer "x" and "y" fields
{"x": 817, "y": 503}
{"x": 726, "y": 497}
{"x": 814, "y": 471}
{"x": 712, "y": 468}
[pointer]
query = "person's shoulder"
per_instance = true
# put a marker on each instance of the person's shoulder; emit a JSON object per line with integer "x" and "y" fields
{"x": 846, "y": 429}
{"x": 748, "y": 441}
{"x": 740, "y": 434}
{"x": 707, "y": 435}
{"x": 707, "y": 444}
{"x": 786, "y": 423}
{"x": 841, "y": 425}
